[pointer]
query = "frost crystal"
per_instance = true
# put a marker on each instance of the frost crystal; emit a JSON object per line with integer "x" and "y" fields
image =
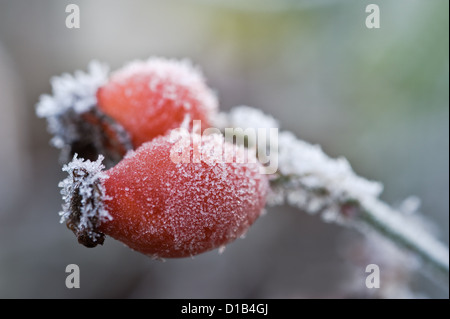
{"x": 310, "y": 180}
{"x": 248, "y": 117}
{"x": 410, "y": 205}
{"x": 306, "y": 177}
{"x": 74, "y": 91}
{"x": 84, "y": 195}
{"x": 71, "y": 94}
{"x": 316, "y": 182}
{"x": 75, "y": 122}
{"x": 168, "y": 76}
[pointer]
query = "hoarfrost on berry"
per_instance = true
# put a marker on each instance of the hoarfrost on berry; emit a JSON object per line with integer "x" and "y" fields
{"x": 168, "y": 76}
{"x": 184, "y": 207}
{"x": 149, "y": 98}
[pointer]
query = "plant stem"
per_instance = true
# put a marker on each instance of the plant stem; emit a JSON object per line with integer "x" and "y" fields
{"x": 396, "y": 227}
{"x": 372, "y": 213}
{"x": 310, "y": 180}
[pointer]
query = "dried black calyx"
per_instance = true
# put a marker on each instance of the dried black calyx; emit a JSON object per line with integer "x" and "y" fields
{"x": 85, "y": 207}
{"x": 92, "y": 133}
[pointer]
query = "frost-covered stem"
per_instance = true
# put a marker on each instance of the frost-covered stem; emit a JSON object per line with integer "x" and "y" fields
{"x": 389, "y": 223}
{"x": 310, "y": 180}
{"x": 394, "y": 225}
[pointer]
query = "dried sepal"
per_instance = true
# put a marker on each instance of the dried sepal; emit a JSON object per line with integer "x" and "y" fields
{"x": 76, "y": 123}
{"x": 84, "y": 195}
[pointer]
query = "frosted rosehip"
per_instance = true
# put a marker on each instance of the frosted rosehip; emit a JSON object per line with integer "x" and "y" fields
{"x": 148, "y": 98}
{"x": 93, "y": 113}
{"x": 175, "y": 196}
{"x": 76, "y": 123}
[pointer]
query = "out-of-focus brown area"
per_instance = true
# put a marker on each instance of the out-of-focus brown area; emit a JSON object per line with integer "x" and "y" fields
{"x": 378, "y": 97}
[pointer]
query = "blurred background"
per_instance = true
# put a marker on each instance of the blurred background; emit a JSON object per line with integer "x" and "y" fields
{"x": 379, "y": 97}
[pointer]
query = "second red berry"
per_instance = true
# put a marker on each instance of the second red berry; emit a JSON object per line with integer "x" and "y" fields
{"x": 148, "y": 98}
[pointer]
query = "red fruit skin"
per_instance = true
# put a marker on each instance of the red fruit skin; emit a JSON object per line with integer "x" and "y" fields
{"x": 168, "y": 210}
{"x": 149, "y": 98}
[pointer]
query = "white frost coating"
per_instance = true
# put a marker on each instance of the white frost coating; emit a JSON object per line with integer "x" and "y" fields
{"x": 317, "y": 182}
{"x": 82, "y": 175}
{"x": 410, "y": 205}
{"x": 310, "y": 180}
{"x": 75, "y": 93}
{"x": 248, "y": 117}
{"x": 178, "y": 73}
{"x": 220, "y": 120}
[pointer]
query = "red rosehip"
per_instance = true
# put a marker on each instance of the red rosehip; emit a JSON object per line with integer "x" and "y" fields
{"x": 148, "y": 98}
{"x": 159, "y": 204}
